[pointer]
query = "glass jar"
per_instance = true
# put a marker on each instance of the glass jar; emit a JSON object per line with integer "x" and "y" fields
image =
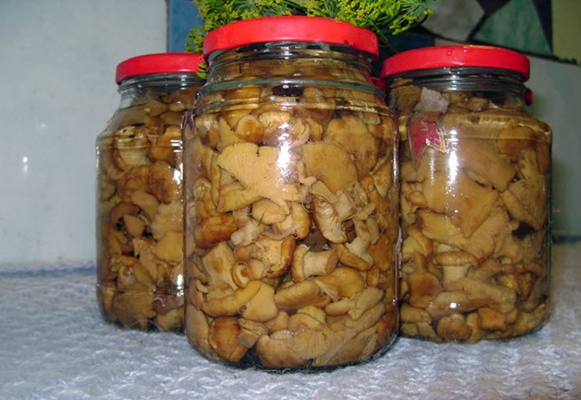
{"x": 140, "y": 281}
{"x": 291, "y": 214}
{"x": 475, "y": 174}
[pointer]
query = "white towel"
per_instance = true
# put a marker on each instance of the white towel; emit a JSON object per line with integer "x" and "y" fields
{"x": 55, "y": 345}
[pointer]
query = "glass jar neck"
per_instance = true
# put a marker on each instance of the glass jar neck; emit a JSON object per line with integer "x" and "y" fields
{"x": 164, "y": 83}
{"x": 505, "y": 85}
{"x": 290, "y": 63}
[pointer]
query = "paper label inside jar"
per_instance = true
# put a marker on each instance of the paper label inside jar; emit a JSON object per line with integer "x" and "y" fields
{"x": 423, "y": 124}
{"x": 424, "y": 131}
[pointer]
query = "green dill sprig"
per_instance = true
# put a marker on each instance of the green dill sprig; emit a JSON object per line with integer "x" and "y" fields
{"x": 383, "y": 17}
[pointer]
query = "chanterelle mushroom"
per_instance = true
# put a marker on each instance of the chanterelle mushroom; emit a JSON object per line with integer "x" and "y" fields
{"x": 309, "y": 263}
{"x": 474, "y": 216}
{"x": 352, "y": 133}
{"x": 259, "y": 171}
{"x": 524, "y": 198}
{"x": 275, "y": 254}
{"x": 169, "y": 217}
{"x": 222, "y": 336}
{"x": 328, "y": 221}
{"x": 467, "y": 203}
{"x": 330, "y": 164}
{"x": 296, "y": 178}
{"x": 218, "y": 264}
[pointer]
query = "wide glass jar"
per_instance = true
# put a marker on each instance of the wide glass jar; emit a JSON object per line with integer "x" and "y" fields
{"x": 140, "y": 281}
{"x": 475, "y": 178}
{"x": 291, "y": 218}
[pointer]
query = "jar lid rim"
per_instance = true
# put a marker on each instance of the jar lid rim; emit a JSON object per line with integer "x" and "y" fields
{"x": 292, "y": 28}
{"x": 158, "y": 63}
{"x": 456, "y": 56}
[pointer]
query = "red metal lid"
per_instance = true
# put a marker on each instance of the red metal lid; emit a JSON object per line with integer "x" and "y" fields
{"x": 456, "y": 56}
{"x": 292, "y": 29}
{"x": 158, "y": 64}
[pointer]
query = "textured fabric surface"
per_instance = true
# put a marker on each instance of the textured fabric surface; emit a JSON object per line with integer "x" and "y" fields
{"x": 55, "y": 345}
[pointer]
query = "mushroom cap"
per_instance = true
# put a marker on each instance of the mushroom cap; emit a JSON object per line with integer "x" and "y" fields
{"x": 329, "y": 163}
{"x": 423, "y": 288}
{"x": 299, "y": 295}
{"x": 168, "y": 217}
{"x": 526, "y": 199}
{"x": 260, "y": 170}
{"x": 164, "y": 182}
{"x": 134, "y": 308}
{"x": 352, "y": 134}
{"x": 278, "y": 350}
{"x": 467, "y": 203}
{"x": 450, "y": 328}
{"x": 217, "y": 265}
{"x": 267, "y": 212}
{"x": 456, "y": 258}
{"x": 275, "y": 254}
{"x": 261, "y": 307}
{"x": 222, "y": 336}
{"x": 327, "y": 220}
{"x": 170, "y": 247}
{"x": 482, "y": 243}
{"x": 214, "y": 229}
{"x": 342, "y": 282}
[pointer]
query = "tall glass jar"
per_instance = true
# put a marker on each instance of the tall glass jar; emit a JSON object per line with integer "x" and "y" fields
{"x": 140, "y": 281}
{"x": 291, "y": 216}
{"x": 475, "y": 194}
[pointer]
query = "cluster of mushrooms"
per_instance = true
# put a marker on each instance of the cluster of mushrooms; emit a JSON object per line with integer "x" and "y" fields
{"x": 473, "y": 216}
{"x": 140, "y": 213}
{"x": 290, "y": 255}
{"x": 291, "y": 226}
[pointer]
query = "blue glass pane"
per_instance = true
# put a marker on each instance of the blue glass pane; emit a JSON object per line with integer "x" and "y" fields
{"x": 183, "y": 16}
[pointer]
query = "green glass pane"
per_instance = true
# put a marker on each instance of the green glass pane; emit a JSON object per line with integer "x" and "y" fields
{"x": 517, "y": 26}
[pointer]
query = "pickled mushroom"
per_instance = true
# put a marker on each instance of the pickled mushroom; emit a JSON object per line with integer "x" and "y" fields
{"x": 162, "y": 182}
{"x": 480, "y": 157}
{"x": 330, "y": 164}
{"x": 140, "y": 189}
{"x": 223, "y": 337}
{"x": 524, "y": 198}
{"x": 473, "y": 214}
{"x": 299, "y": 295}
{"x": 342, "y": 282}
{"x": 167, "y": 218}
{"x": 453, "y": 327}
{"x": 307, "y": 263}
{"x": 257, "y": 171}
{"x": 213, "y": 230}
{"x": 307, "y": 195}
{"x": 354, "y": 136}
{"x": 276, "y": 255}
{"x": 482, "y": 243}
{"x": 217, "y": 264}
{"x": 468, "y": 208}
{"x": 130, "y": 148}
